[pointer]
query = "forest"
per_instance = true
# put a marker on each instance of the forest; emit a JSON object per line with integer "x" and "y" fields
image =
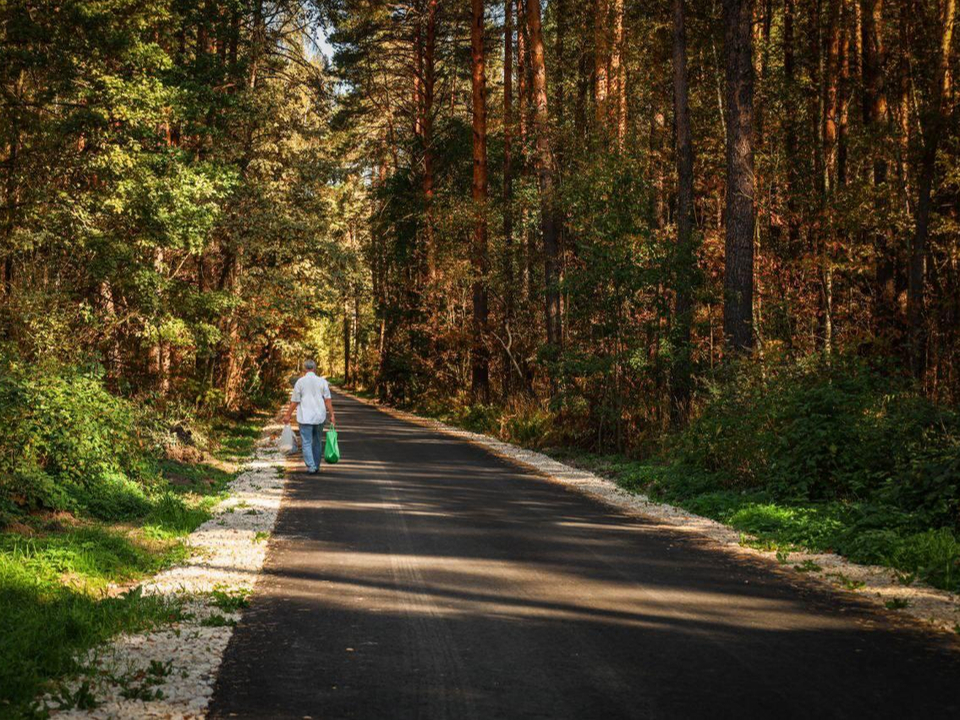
{"x": 710, "y": 247}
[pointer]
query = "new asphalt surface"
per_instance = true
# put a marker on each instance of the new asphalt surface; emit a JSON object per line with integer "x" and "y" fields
{"x": 423, "y": 577}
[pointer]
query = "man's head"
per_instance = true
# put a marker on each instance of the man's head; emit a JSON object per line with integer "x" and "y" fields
{"x": 309, "y": 366}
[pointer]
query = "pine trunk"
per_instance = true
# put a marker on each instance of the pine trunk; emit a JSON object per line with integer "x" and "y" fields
{"x": 685, "y": 257}
{"x": 933, "y": 127}
{"x": 480, "y": 356}
{"x": 740, "y": 210}
{"x": 508, "y": 274}
{"x": 547, "y": 178}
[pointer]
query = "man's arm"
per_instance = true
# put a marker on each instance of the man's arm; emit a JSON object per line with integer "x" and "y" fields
{"x": 330, "y": 414}
{"x": 291, "y": 409}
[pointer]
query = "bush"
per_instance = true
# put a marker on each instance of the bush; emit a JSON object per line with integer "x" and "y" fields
{"x": 66, "y": 443}
{"x": 479, "y": 418}
{"x": 526, "y": 424}
{"x": 824, "y": 432}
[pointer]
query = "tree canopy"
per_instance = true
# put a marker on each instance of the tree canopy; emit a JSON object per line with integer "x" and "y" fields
{"x": 595, "y": 207}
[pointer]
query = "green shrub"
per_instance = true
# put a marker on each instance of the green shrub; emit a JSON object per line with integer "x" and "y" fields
{"x": 526, "y": 424}
{"x": 823, "y": 432}
{"x": 66, "y": 443}
{"x": 479, "y": 418}
{"x": 45, "y": 625}
{"x": 831, "y": 457}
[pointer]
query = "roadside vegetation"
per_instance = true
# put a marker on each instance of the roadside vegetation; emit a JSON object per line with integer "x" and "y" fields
{"x": 747, "y": 308}
{"x": 838, "y": 456}
{"x": 164, "y": 197}
{"x": 96, "y": 493}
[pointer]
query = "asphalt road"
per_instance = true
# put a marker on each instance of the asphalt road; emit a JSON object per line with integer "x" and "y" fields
{"x": 424, "y": 578}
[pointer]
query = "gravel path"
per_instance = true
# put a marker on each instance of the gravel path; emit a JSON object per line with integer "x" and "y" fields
{"x": 937, "y": 609}
{"x": 178, "y": 663}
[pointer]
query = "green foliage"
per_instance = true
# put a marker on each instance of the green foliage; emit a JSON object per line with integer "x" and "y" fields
{"x": 236, "y": 438}
{"x": 230, "y": 601}
{"x": 56, "y": 562}
{"x": 526, "y": 424}
{"x": 68, "y": 444}
{"x": 824, "y": 432}
{"x": 478, "y": 418}
{"x": 45, "y": 624}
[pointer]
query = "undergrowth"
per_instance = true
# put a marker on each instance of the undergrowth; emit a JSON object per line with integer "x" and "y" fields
{"x": 89, "y": 506}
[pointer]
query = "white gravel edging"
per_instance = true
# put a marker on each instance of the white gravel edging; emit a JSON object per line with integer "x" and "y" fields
{"x": 938, "y": 609}
{"x": 230, "y": 550}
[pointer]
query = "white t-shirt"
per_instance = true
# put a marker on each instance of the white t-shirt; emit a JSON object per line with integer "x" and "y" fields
{"x": 310, "y": 392}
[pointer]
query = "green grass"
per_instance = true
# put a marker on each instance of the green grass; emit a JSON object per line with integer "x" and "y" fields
{"x": 201, "y": 478}
{"x": 217, "y": 620}
{"x": 236, "y": 437}
{"x": 50, "y": 609}
{"x": 92, "y": 556}
{"x": 863, "y": 532}
{"x": 54, "y": 570}
{"x": 230, "y": 601}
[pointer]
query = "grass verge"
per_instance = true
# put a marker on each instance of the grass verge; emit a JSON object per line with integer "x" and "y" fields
{"x": 864, "y": 532}
{"x": 67, "y": 581}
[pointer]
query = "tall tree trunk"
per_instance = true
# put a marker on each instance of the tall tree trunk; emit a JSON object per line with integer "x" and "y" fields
{"x": 346, "y": 341}
{"x": 480, "y": 356}
{"x": 524, "y": 105}
{"x": 523, "y": 73}
{"x": 560, "y": 110}
{"x": 508, "y": 119}
{"x": 829, "y": 146}
{"x": 618, "y": 74}
{"x": 875, "y": 120}
{"x": 740, "y": 210}
{"x": 547, "y": 178}
{"x": 685, "y": 258}
{"x": 847, "y": 29}
{"x": 426, "y": 120}
{"x": 601, "y": 61}
{"x": 933, "y": 127}
{"x": 790, "y": 128}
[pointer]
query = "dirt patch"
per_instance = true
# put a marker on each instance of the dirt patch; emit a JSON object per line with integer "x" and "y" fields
{"x": 183, "y": 453}
{"x": 20, "y": 529}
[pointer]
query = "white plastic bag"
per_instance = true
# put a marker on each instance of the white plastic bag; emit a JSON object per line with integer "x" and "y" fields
{"x": 287, "y": 444}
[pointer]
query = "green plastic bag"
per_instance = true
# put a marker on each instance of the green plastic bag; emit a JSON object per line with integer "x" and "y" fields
{"x": 331, "y": 450}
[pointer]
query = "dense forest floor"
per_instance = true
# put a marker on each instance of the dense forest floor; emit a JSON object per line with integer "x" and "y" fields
{"x": 68, "y": 580}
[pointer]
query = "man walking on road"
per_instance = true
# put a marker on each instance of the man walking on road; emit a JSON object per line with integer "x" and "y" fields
{"x": 311, "y": 399}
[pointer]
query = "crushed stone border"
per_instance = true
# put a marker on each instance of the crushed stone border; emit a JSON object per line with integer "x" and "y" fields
{"x": 934, "y": 609}
{"x": 229, "y": 551}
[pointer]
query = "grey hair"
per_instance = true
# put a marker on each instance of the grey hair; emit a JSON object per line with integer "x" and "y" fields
{"x": 310, "y": 365}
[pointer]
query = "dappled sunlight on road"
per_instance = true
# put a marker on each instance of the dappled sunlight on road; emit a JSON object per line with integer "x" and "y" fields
{"x": 459, "y": 586}
{"x": 423, "y": 577}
